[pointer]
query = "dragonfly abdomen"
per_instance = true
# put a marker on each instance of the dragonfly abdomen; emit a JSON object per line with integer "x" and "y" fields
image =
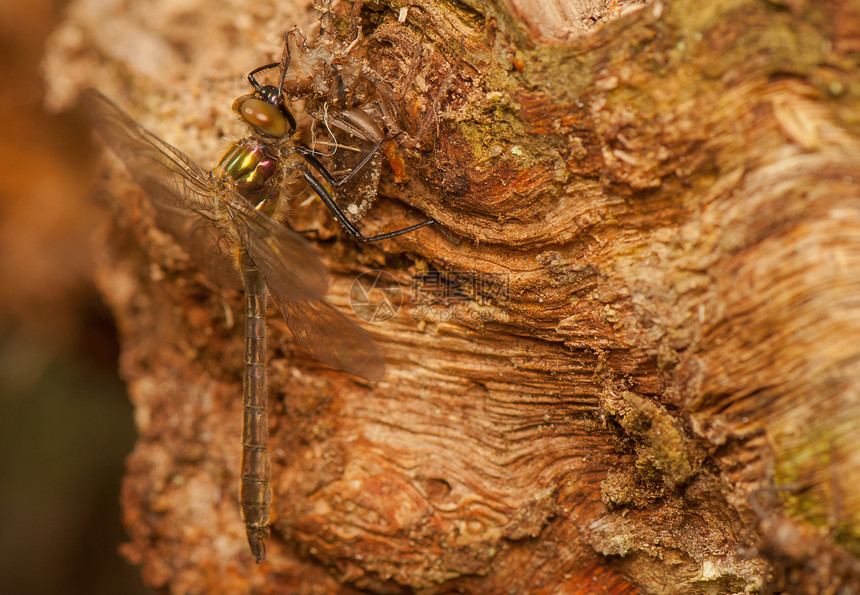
{"x": 255, "y": 489}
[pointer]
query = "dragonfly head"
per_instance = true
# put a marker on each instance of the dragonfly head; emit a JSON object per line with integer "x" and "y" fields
{"x": 265, "y": 114}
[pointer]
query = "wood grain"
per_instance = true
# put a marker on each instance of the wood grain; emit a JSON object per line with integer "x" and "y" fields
{"x": 650, "y": 323}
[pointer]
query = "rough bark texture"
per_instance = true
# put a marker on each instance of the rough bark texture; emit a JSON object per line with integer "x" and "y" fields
{"x": 643, "y": 373}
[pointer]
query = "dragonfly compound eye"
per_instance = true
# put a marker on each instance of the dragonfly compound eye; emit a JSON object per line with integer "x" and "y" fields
{"x": 263, "y": 117}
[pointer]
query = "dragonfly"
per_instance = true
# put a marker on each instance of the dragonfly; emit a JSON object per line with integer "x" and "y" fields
{"x": 229, "y": 220}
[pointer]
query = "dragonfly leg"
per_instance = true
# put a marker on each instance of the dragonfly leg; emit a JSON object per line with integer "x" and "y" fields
{"x": 341, "y": 217}
{"x": 253, "y": 80}
{"x": 309, "y": 156}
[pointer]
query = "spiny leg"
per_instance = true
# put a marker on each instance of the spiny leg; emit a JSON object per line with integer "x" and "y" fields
{"x": 309, "y": 156}
{"x": 337, "y": 211}
{"x": 341, "y": 217}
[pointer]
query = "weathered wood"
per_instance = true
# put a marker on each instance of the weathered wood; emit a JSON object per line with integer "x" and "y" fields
{"x": 645, "y": 374}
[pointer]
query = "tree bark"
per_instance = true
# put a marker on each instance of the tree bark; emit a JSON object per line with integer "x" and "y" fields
{"x": 637, "y": 372}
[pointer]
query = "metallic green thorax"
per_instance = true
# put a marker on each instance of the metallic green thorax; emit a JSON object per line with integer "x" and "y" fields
{"x": 253, "y": 166}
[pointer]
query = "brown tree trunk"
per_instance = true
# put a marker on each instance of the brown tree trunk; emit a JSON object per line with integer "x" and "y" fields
{"x": 639, "y": 371}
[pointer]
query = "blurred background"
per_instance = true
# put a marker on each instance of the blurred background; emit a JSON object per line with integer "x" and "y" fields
{"x": 65, "y": 419}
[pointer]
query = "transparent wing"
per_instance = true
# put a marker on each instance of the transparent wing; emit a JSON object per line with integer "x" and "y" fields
{"x": 179, "y": 189}
{"x": 332, "y": 338}
{"x": 183, "y": 195}
{"x": 185, "y": 205}
{"x": 168, "y": 176}
{"x": 206, "y": 244}
{"x": 290, "y": 266}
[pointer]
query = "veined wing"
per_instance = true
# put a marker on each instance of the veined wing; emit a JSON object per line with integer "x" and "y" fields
{"x": 316, "y": 325}
{"x": 179, "y": 189}
{"x": 168, "y": 175}
{"x": 208, "y": 247}
{"x": 183, "y": 195}
{"x": 291, "y": 268}
{"x": 332, "y": 338}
